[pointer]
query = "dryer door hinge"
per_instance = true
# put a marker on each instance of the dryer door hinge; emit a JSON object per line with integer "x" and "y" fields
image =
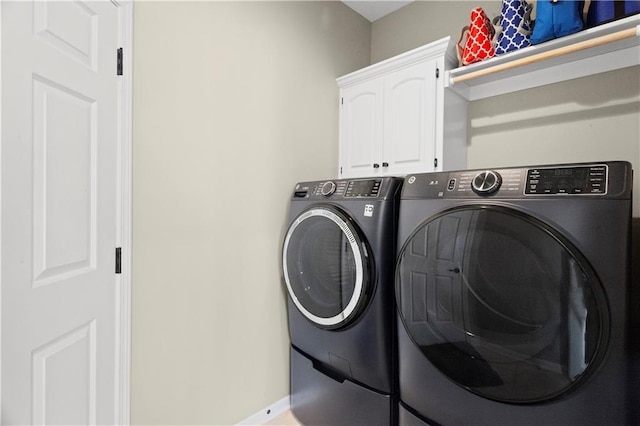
{"x": 119, "y": 62}
{"x": 118, "y": 260}
{"x": 435, "y": 163}
{"x": 437, "y": 72}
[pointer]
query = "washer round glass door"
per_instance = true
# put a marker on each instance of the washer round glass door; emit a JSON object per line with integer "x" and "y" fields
{"x": 326, "y": 267}
{"x": 502, "y": 304}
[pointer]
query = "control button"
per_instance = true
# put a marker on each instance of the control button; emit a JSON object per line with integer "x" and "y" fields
{"x": 328, "y": 188}
{"x": 452, "y": 185}
{"x": 487, "y": 182}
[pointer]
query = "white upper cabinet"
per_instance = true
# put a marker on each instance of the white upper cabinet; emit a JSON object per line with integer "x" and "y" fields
{"x": 392, "y": 116}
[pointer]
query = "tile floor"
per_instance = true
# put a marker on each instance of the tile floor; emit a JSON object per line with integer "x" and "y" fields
{"x": 284, "y": 419}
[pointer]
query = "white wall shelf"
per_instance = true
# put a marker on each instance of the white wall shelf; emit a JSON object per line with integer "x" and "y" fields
{"x": 551, "y": 62}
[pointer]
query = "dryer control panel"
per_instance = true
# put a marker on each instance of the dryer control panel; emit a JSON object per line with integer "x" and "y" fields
{"x": 567, "y": 180}
{"x": 589, "y": 179}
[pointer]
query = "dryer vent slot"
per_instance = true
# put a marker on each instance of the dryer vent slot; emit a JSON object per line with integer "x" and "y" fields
{"x": 328, "y": 371}
{"x": 299, "y": 194}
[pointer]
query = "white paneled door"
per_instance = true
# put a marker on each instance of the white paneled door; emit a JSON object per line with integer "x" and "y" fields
{"x": 62, "y": 215}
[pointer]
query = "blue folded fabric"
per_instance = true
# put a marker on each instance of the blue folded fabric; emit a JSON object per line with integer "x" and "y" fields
{"x": 601, "y": 11}
{"x": 556, "y": 19}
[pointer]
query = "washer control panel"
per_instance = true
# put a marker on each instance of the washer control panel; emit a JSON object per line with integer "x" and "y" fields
{"x": 354, "y": 188}
{"x": 587, "y": 179}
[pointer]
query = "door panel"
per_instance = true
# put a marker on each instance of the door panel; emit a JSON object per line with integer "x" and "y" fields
{"x": 409, "y": 129}
{"x": 60, "y": 397}
{"x": 361, "y": 124}
{"x": 70, "y": 27}
{"x": 65, "y": 216}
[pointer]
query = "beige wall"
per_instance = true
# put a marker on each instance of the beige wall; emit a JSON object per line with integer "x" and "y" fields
{"x": 234, "y": 102}
{"x": 589, "y": 119}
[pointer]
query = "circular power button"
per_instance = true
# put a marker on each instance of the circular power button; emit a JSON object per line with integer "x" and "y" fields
{"x": 487, "y": 182}
{"x": 328, "y": 188}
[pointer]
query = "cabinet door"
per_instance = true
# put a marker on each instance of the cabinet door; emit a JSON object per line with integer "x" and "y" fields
{"x": 361, "y": 129}
{"x": 410, "y": 119}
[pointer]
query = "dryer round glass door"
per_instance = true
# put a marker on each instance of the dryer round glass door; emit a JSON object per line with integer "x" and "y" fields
{"x": 502, "y": 304}
{"x": 326, "y": 267}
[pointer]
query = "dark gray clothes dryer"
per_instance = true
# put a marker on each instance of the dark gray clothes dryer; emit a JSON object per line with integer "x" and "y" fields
{"x": 513, "y": 297}
{"x": 338, "y": 259}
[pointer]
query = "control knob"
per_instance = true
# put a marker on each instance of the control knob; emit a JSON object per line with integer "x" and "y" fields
{"x": 328, "y": 188}
{"x": 487, "y": 182}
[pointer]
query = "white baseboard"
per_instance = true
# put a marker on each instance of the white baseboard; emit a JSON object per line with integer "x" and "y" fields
{"x": 266, "y": 414}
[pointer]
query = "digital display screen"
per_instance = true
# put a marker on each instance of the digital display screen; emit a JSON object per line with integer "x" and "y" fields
{"x": 563, "y": 172}
{"x": 567, "y": 180}
{"x": 363, "y": 188}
